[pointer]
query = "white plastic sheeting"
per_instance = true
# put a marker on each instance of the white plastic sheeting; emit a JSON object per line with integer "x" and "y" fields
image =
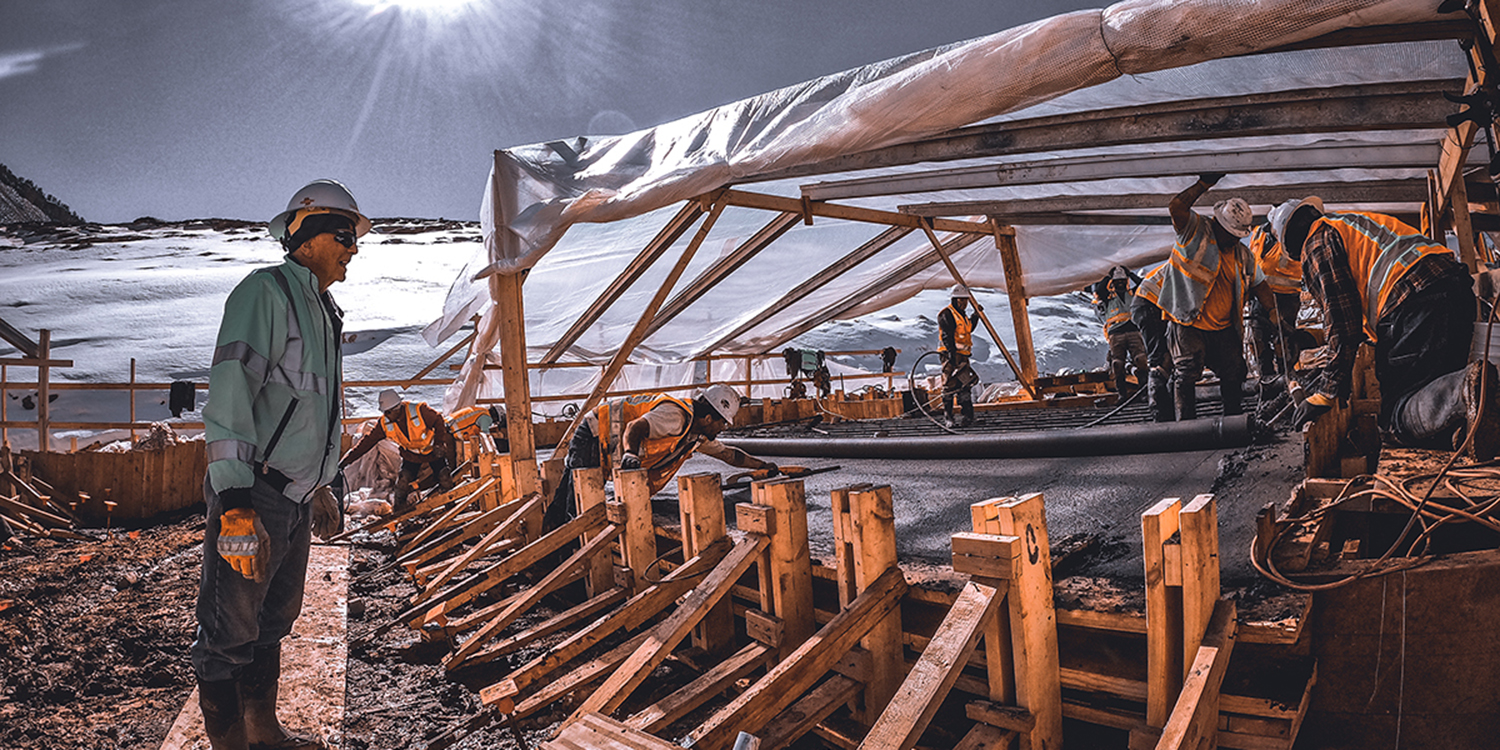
{"x": 610, "y": 196}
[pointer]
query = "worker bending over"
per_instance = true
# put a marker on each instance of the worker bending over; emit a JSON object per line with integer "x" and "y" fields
{"x": 652, "y": 432}
{"x": 1274, "y": 328}
{"x": 1379, "y": 278}
{"x": 1203, "y": 294}
{"x": 421, "y": 434}
{"x": 1145, "y": 312}
{"x": 1112, "y": 299}
{"x": 468, "y": 422}
{"x": 955, "y": 345}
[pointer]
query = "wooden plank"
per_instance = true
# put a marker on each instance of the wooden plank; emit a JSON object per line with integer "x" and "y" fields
{"x": 700, "y": 501}
{"x": 588, "y": 490}
{"x": 638, "y": 542}
{"x": 790, "y": 562}
{"x": 550, "y": 693}
{"x": 1195, "y": 718}
{"x": 843, "y": 545}
{"x": 587, "y": 610}
{"x": 510, "y": 310}
{"x": 755, "y": 519}
{"x": 663, "y": 713}
{"x": 803, "y": 667}
{"x": 670, "y": 632}
{"x": 874, "y": 517}
{"x": 599, "y": 732}
{"x": 1033, "y": 621}
{"x": 800, "y": 718}
{"x": 1199, "y": 524}
{"x": 1015, "y": 293}
{"x": 1000, "y": 659}
{"x": 503, "y": 532}
{"x": 986, "y": 737}
{"x": 914, "y": 705}
{"x": 848, "y": 213}
{"x": 1163, "y": 614}
{"x": 1013, "y": 718}
{"x": 721, "y": 268}
{"x": 985, "y": 555}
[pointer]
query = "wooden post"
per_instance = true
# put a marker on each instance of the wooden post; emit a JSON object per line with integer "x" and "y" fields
{"x": 509, "y": 306}
{"x": 1163, "y": 613}
{"x": 132, "y": 399}
{"x": 1015, "y": 292}
{"x": 588, "y": 490}
{"x": 1199, "y": 523}
{"x": 1463, "y": 227}
{"x": 999, "y": 659}
{"x": 1033, "y": 618}
{"x": 791, "y": 562}
{"x": 700, "y": 499}
{"x": 43, "y": 391}
{"x": 638, "y": 538}
{"x": 874, "y": 518}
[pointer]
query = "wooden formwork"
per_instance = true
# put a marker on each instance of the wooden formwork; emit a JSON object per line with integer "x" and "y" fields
{"x": 132, "y": 485}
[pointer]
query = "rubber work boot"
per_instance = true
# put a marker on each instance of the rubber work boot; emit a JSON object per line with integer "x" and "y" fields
{"x": 1158, "y": 393}
{"x": 223, "y": 714}
{"x": 1185, "y": 393}
{"x": 258, "y": 691}
{"x": 1482, "y": 410}
{"x": 1233, "y": 396}
{"x": 1435, "y": 412}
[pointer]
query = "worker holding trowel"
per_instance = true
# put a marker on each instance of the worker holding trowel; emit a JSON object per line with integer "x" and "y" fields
{"x": 655, "y": 432}
{"x": 955, "y": 346}
{"x": 1379, "y": 278}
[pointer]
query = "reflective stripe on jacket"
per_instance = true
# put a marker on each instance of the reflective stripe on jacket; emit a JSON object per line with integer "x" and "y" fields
{"x": 1115, "y": 310}
{"x": 963, "y": 333}
{"x": 660, "y": 456}
{"x": 470, "y": 421}
{"x": 417, "y": 436}
{"x": 1381, "y": 249}
{"x": 1283, "y": 274}
{"x": 274, "y": 385}
{"x": 1150, "y": 286}
{"x": 1193, "y": 268}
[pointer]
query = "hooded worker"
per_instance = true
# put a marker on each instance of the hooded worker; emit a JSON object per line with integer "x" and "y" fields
{"x": 955, "y": 346}
{"x": 1112, "y": 299}
{"x": 655, "y": 432}
{"x": 422, "y": 435}
{"x": 1202, "y": 295}
{"x": 1379, "y": 278}
{"x": 272, "y": 430}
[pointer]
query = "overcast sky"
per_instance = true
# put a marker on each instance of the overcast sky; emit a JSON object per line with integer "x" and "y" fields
{"x": 190, "y": 109}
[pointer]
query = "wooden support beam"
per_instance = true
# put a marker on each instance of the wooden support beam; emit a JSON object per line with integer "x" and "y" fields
{"x": 901, "y": 724}
{"x": 638, "y": 542}
{"x": 684, "y": 220}
{"x": 700, "y": 501}
{"x": 600, "y": 732}
{"x": 1163, "y": 613}
{"x": 1033, "y": 619}
{"x": 689, "y": 697}
{"x": 790, "y": 561}
{"x": 874, "y": 516}
{"x": 1013, "y": 718}
{"x": 986, "y": 737}
{"x": 999, "y": 655}
{"x": 561, "y": 687}
{"x": 1015, "y": 293}
{"x": 800, "y": 718}
{"x": 588, "y": 490}
{"x": 508, "y": 531}
{"x": 1199, "y": 525}
{"x": 587, "y": 610}
{"x": 1194, "y": 722}
{"x": 1028, "y": 385}
{"x": 722, "y": 267}
{"x": 43, "y": 394}
{"x": 510, "y": 310}
{"x": 23, "y": 343}
{"x": 670, "y": 632}
{"x": 802, "y": 668}
{"x": 847, "y": 213}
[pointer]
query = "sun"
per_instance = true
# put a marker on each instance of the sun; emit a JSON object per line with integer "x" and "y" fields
{"x": 429, "y": 7}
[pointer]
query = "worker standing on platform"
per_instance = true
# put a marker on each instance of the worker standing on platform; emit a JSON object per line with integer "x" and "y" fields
{"x": 1203, "y": 294}
{"x": 655, "y": 432}
{"x": 955, "y": 346}
{"x": 420, "y": 432}
{"x": 272, "y": 429}
{"x": 1112, "y": 299}
{"x": 1379, "y": 278}
{"x": 1145, "y": 312}
{"x": 1274, "y": 329}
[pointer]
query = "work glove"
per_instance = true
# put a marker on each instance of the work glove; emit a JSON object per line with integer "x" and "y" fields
{"x": 1315, "y": 406}
{"x": 1210, "y": 178}
{"x": 630, "y": 461}
{"x": 244, "y": 543}
{"x": 327, "y": 513}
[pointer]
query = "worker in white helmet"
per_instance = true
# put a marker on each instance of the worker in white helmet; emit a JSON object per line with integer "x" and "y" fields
{"x": 272, "y": 429}
{"x": 1113, "y": 296}
{"x": 423, "y": 437}
{"x": 955, "y": 346}
{"x": 654, "y": 432}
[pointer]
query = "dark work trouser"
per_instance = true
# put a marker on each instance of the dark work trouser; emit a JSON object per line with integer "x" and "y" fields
{"x": 1422, "y": 339}
{"x": 1153, "y": 328}
{"x": 583, "y": 453}
{"x": 952, "y": 389}
{"x": 1126, "y": 348}
{"x": 1220, "y": 351}
{"x": 1275, "y": 347}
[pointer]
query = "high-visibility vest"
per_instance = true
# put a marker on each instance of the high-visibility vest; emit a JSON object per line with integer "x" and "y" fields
{"x": 418, "y": 435}
{"x": 1381, "y": 249}
{"x": 469, "y": 422}
{"x": 1283, "y": 274}
{"x": 1150, "y": 286}
{"x": 963, "y": 333}
{"x": 1116, "y": 310}
{"x": 660, "y": 456}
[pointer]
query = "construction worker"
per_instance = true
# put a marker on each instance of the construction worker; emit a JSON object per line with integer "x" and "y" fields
{"x": 1112, "y": 299}
{"x": 1145, "y": 312}
{"x": 1274, "y": 329}
{"x": 955, "y": 346}
{"x": 1203, "y": 294}
{"x": 1379, "y": 278}
{"x": 421, "y": 434}
{"x": 470, "y": 421}
{"x": 272, "y": 424}
{"x": 653, "y": 432}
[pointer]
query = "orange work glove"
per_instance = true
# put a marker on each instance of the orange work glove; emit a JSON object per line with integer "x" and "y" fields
{"x": 244, "y": 543}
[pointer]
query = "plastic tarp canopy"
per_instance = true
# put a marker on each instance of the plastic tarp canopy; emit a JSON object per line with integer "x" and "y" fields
{"x": 576, "y": 212}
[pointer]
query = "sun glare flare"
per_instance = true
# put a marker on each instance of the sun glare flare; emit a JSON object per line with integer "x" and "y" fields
{"x": 431, "y": 7}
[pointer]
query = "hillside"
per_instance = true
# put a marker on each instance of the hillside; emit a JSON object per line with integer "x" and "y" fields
{"x": 22, "y": 201}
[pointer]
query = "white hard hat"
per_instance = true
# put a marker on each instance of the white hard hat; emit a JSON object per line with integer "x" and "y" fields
{"x": 389, "y": 399}
{"x": 319, "y": 196}
{"x": 1234, "y": 215}
{"x": 1282, "y": 214}
{"x": 1118, "y": 272}
{"x": 959, "y": 290}
{"x": 724, "y": 401}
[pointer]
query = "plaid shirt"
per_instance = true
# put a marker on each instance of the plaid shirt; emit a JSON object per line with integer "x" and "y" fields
{"x": 1330, "y": 281}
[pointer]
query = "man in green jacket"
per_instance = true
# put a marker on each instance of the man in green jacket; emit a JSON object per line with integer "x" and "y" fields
{"x": 272, "y": 424}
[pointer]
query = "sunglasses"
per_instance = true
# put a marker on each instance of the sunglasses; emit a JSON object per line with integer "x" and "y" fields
{"x": 345, "y": 237}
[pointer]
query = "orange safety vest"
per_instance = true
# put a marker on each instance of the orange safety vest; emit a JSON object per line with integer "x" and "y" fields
{"x": 660, "y": 456}
{"x": 1150, "y": 286}
{"x": 1283, "y": 274}
{"x": 418, "y": 435}
{"x": 963, "y": 333}
{"x": 469, "y": 422}
{"x": 1381, "y": 249}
